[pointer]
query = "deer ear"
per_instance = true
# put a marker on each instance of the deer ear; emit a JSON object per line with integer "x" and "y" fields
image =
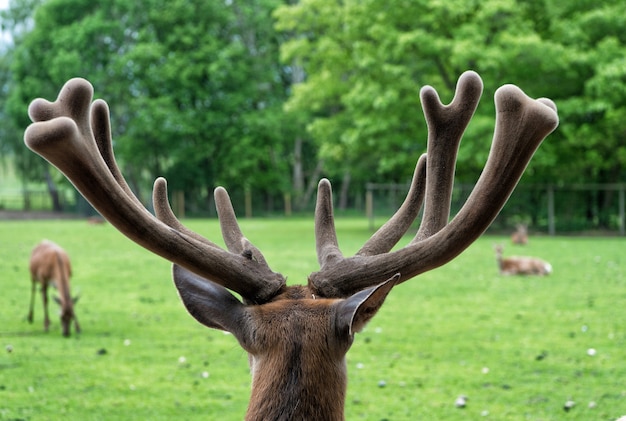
{"x": 355, "y": 311}
{"x": 209, "y": 303}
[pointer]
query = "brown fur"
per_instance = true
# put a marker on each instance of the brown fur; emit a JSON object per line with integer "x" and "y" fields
{"x": 521, "y": 265}
{"x": 296, "y": 343}
{"x": 50, "y": 265}
{"x": 295, "y": 350}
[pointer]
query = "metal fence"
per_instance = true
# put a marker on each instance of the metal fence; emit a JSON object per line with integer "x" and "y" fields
{"x": 25, "y": 200}
{"x": 39, "y": 200}
{"x": 551, "y": 209}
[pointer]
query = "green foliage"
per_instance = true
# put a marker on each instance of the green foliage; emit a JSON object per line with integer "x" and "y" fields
{"x": 69, "y": 38}
{"x": 198, "y": 92}
{"x": 366, "y": 61}
{"x": 593, "y": 137}
{"x": 195, "y": 88}
{"x": 517, "y": 347}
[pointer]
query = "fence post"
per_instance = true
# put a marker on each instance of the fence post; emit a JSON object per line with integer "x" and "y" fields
{"x": 622, "y": 212}
{"x": 551, "y": 228}
{"x": 248, "y": 202}
{"x": 26, "y": 200}
{"x": 287, "y": 201}
{"x": 178, "y": 203}
{"x": 369, "y": 205}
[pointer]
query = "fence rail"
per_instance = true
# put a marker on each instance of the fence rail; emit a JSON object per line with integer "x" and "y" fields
{"x": 39, "y": 200}
{"x": 25, "y": 200}
{"x": 549, "y": 208}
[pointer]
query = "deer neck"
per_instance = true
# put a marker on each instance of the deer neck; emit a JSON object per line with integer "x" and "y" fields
{"x": 62, "y": 284}
{"x": 300, "y": 371}
{"x": 297, "y": 391}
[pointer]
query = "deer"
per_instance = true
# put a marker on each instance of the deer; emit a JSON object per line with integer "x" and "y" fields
{"x": 50, "y": 265}
{"x": 521, "y": 265}
{"x": 297, "y": 336}
{"x": 520, "y": 235}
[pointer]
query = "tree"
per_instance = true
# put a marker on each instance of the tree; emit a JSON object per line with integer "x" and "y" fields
{"x": 67, "y": 38}
{"x": 198, "y": 93}
{"x": 195, "y": 88}
{"x": 207, "y": 90}
{"x": 366, "y": 60}
{"x": 595, "y": 138}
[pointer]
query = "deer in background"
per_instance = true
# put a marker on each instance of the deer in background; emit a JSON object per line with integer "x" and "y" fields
{"x": 521, "y": 265}
{"x": 520, "y": 236}
{"x": 297, "y": 336}
{"x": 50, "y": 265}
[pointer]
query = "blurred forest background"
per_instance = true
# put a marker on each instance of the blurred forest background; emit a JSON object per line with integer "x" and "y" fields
{"x": 265, "y": 97}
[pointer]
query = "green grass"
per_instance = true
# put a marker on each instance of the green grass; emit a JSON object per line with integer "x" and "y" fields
{"x": 517, "y": 347}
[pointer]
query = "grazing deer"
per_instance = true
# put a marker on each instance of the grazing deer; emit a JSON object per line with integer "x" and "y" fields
{"x": 521, "y": 265}
{"x": 50, "y": 265}
{"x": 297, "y": 336}
{"x": 520, "y": 236}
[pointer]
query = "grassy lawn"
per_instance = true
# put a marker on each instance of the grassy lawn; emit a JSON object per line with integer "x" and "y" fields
{"x": 518, "y": 348}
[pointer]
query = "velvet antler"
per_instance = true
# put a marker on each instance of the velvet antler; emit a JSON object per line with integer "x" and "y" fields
{"x": 74, "y": 135}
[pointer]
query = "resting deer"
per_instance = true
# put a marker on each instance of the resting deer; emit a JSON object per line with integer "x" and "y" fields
{"x": 297, "y": 336}
{"x": 521, "y": 265}
{"x": 50, "y": 265}
{"x": 520, "y": 236}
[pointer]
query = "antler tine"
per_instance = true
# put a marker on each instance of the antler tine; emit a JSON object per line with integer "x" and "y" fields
{"x": 233, "y": 237}
{"x": 325, "y": 234}
{"x": 521, "y": 125}
{"x": 62, "y": 134}
{"x": 102, "y": 135}
{"x": 392, "y": 231}
{"x": 446, "y": 125}
{"x": 164, "y": 213}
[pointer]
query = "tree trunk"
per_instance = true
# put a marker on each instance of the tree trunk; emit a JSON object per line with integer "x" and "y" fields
{"x": 52, "y": 190}
{"x": 298, "y": 172}
{"x": 301, "y": 196}
{"x": 306, "y": 197}
{"x": 345, "y": 188}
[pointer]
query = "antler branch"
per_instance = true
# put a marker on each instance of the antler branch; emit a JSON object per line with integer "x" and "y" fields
{"x": 74, "y": 135}
{"x": 521, "y": 125}
{"x": 446, "y": 125}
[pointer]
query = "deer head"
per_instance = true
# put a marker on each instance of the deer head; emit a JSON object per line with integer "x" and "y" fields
{"x": 520, "y": 236}
{"x": 297, "y": 336}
